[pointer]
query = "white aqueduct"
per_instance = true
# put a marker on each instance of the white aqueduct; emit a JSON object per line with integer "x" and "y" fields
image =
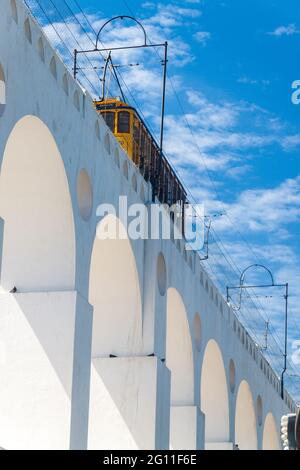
{"x": 187, "y": 375}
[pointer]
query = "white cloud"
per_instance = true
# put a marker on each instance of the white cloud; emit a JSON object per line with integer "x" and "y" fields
{"x": 250, "y": 81}
{"x": 288, "y": 30}
{"x": 170, "y": 15}
{"x": 266, "y": 210}
{"x": 202, "y": 37}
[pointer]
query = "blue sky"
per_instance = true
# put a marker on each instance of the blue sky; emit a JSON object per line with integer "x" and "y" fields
{"x": 232, "y": 64}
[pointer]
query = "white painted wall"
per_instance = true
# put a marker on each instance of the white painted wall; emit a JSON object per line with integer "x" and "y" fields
{"x": 123, "y": 404}
{"x": 36, "y": 363}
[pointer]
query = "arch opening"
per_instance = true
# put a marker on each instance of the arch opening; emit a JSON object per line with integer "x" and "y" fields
{"x": 214, "y": 398}
{"x": 37, "y": 322}
{"x": 179, "y": 357}
{"x": 245, "y": 419}
{"x": 114, "y": 292}
{"x": 179, "y": 360}
{"x": 118, "y": 371}
{"x": 271, "y": 439}
{"x": 35, "y": 203}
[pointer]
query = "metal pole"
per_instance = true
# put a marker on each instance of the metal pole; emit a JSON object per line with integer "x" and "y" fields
{"x": 163, "y": 99}
{"x": 117, "y": 79}
{"x": 104, "y": 76}
{"x": 285, "y": 340}
{"x": 163, "y": 105}
{"x": 75, "y": 63}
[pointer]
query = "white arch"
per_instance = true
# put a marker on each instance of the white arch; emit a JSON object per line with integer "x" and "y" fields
{"x": 214, "y": 396}
{"x": 114, "y": 293}
{"x": 245, "y": 419}
{"x": 270, "y": 434}
{"x": 179, "y": 356}
{"x": 38, "y": 323}
{"x": 35, "y": 203}
{"x": 117, "y": 373}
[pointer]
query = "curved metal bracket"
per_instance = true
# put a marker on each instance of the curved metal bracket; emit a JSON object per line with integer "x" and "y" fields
{"x": 242, "y": 286}
{"x": 122, "y": 17}
{"x": 242, "y": 277}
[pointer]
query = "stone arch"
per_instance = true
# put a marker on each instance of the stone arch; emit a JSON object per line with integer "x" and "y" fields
{"x": 114, "y": 292}
{"x": 39, "y": 236}
{"x": 179, "y": 357}
{"x": 2, "y": 91}
{"x": 245, "y": 419}
{"x": 117, "y": 366}
{"x": 214, "y": 397}
{"x": 179, "y": 360}
{"x": 38, "y": 322}
{"x": 270, "y": 435}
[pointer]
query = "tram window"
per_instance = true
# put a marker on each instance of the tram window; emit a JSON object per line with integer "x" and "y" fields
{"x": 124, "y": 122}
{"x": 136, "y": 132}
{"x": 109, "y": 118}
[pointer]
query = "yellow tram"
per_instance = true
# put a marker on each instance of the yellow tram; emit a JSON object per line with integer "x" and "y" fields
{"x": 135, "y": 138}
